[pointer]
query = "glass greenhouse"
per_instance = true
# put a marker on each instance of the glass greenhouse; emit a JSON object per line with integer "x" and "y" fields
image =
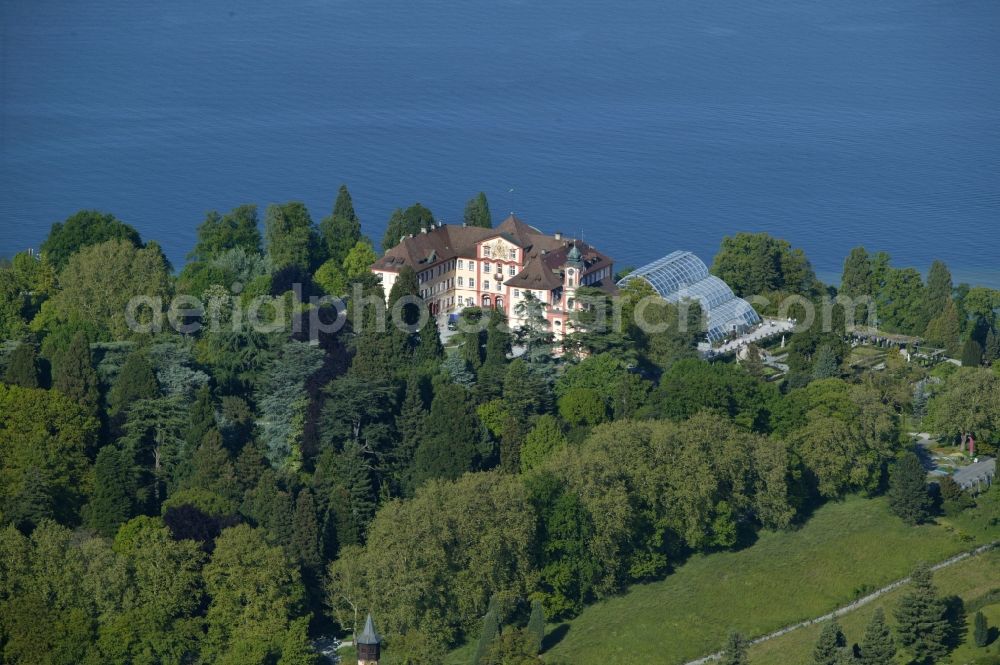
{"x": 682, "y": 275}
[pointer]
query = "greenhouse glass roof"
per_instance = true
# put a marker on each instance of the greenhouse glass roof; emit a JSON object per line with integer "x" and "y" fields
{"x": 683, "y": 276}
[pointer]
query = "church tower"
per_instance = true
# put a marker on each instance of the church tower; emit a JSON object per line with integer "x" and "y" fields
{"x": 368, "y": 644}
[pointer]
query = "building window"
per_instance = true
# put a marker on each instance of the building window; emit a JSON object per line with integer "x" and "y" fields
{"x": 486, "y": 285}
{"x": 499, "y": 286}
{"x": 486, "y": 267}
{"x": 513, "y": 255}
{"x": 486, "y": 301}
{"x": 472, "y": 282}
{"x": 487, "y": 251}
{"x": 460, "y": 264}
{"x": 460, "y": 280}
{"x": 517, "y": 293}
{"x": 511, "y": 270}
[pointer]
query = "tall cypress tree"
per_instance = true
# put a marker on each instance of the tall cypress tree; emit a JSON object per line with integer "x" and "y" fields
{"x": 878, "y": 646}
{"x": 981, "y": 630}
{"x": 908, "y": 495}
{"x": 305, "y": 531}
{"x": 921, "y": 618}
{"x": 22, "y": 369}
{"x": 938, "y": 291}
{"x": 972, "y": 353}
{"x": 535, "y": 630}
{"x": 410, "y": 424}
{"x": 831, "y": 640}
{"x": 491, "y": 628}
{"x": 73, "y": 374}
{"x": 111, "y": 503}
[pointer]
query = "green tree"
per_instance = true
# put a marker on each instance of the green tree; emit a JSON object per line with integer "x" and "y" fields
{"x": 341, "y": 230}
{"x": 908, "y": 495}
{"x": 406, "y": 222}
{"x": 448, "y": 446}
{"x": 305, "y": 534}
{"x": 857, "y": 278}
{"x": 74, "y": 376}
{"x": 331, "y": 278}
{"x": 219, "y": 233}
{"x": 488, "y": 634}
{"x": 135, "y": 381}
{"x": 429, "y": 348}
{"x": 825, "y": 364}
{"x": 535, "y": 630}
{"x": 972, "y": 353}
{"x": 111, "y": 503}
{"x": 100, "y": 280}
{"x": 939, "y": 290}
{"x": 831, "y": 641}
{"x": 255, "y": 594}
{"x": 477, "y": 212}
{"x": 582, "y": 407}
{"x": 22, "y": 367}
{"x": 735, "y": 652}
{"x": 981, "y": 630}
{"x": 878, "y": 646}
{"x": 291, "y": 238}
{"x": 756, "y": 263}
{"x": 410, "y": 423}
{"x": 212, "y": 470}
{"x": 359, "y": 260}
{"x": 545, "y": 438}
{"x": 921, "y": 618}
{"x": 44, "y": 438}
{"x": 944, "y": 329}
{"x": 82, "y": 229}
{"x": 901, "y": 306}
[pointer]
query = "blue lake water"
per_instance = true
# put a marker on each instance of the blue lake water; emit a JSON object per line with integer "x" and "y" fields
{"x": 647, "y": 126}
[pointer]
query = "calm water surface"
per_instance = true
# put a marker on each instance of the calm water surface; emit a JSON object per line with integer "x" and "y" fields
{"x": 647, "y": 126}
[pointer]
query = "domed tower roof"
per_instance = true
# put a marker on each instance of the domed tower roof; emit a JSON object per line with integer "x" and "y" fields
{"x": 574, "y": 257}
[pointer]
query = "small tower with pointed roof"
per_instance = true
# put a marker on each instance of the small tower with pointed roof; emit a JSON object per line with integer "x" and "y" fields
{"x": 368, "y": 644}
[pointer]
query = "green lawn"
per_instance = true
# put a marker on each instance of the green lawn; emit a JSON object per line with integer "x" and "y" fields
{"x": 845, "y": 550}
{"x": 969, "y": 579}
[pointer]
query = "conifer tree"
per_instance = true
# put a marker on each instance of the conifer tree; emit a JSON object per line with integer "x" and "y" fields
{"x": 944, "y": 328}
{"x": 845, "y": 656}
{"x": 22, "y": 368}
{"x": 136, "y": 381}
{"x": 938, "y": 291}
{"x": 429, "y": 347}
{"x": 491, "y": 628}
{"x": 825, "y": 363}
{"x": 831, "y": 640}
{"x": 921, "y": 618}
{"x": 535, "y": 631}
{"x": 211, "y": 469}
{"x": 477, "y": 212}
{"x": 991, "y": 350}
{"x": 202, "y": 418}
{"x": 111, "y": 503}
{"x": 908, "y": 495}
{"x": 305, "y": 534}
{"x": 981, "y": 630}
{"x": 448, "y": 447}
{"x": 410, "y": 424}
{"x": 857, "y": 278}
{"x": 735, "y": 652}
{"x": 878, "y": 646}
{"x": 972, "y": 353}
{"x": 341, "y": 230}
{"x": 74, "y": 376}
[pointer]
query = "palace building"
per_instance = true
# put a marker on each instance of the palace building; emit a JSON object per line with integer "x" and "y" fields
{"x": 468, "y": 266}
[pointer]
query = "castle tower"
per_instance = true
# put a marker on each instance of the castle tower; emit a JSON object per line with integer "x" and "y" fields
{"x": 368, "y": 644}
